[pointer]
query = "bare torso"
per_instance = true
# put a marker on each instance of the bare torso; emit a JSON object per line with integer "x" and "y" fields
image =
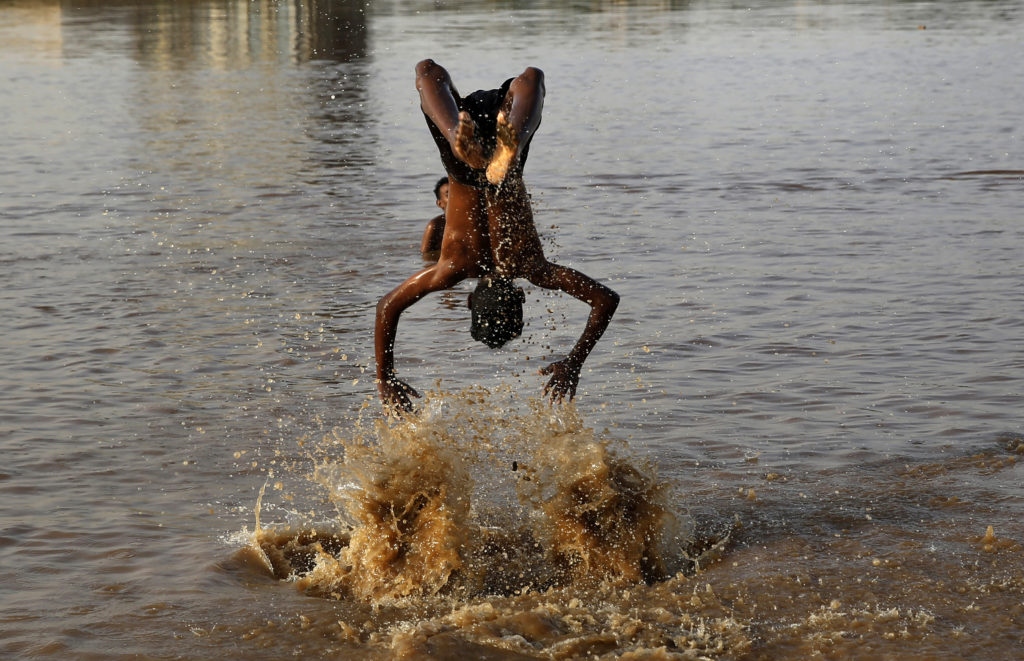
{"x": 491, "y": 232}
{"x": 489, "y": 227}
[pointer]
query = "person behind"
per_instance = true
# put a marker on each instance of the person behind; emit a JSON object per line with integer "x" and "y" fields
{"x": 430, "y": 246}
{"x": 484, "y": 141}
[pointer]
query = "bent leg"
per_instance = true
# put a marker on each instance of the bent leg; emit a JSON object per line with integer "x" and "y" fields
{"x": 440, "y": 103}
{"x": 518, "y": 120}
{"x": 524, "y": 102}
{"x": 438, "y": 96}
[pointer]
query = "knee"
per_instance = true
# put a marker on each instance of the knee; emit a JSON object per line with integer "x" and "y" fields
{"x": 425, "y": 66}
{"x": 430, "y": 70}
{"x": 531, "y": 79}
{"x": 533, "y": 75}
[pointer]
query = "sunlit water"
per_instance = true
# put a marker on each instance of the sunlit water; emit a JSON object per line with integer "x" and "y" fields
{"x": 812, "y": 213}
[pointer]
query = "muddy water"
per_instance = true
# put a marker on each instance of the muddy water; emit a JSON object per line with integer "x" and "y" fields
{"x": 800, "y": 436}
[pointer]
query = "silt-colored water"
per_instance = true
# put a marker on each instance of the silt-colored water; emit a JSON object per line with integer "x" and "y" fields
{"x": 799, "y": 438}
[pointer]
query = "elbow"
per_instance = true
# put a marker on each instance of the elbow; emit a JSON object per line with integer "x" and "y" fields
{"x": 382, "y": 307}
{"x": 613, "y": 303}
{"x": 603, "y": 303}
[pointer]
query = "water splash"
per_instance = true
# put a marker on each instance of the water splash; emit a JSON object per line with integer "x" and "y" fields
{"x": 479, "y": 493}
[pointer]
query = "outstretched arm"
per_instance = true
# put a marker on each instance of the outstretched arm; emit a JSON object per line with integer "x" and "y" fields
{"x": 394, "y": 392}
{"x": 565, "y": 373}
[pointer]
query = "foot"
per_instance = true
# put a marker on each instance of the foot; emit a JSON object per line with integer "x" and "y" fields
{"x": 504, "y": 153}
{"x": 466, "y": 146}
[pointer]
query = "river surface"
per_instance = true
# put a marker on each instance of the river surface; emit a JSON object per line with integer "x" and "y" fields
{"x": 800, "y": 437}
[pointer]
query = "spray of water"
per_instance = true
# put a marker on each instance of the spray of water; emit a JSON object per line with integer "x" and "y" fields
{"x": 479, "y": 493}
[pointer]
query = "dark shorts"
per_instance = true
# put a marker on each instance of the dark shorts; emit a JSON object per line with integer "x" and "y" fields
{"x": 483, "y": 107}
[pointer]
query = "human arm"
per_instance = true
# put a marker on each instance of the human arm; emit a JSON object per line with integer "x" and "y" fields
{"x": 603, "y": 301}
{"x": 394, "y": 392}
{"x": 432, "y": 236}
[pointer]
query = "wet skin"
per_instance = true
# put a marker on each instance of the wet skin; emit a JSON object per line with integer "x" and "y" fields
{"x": 489, "y": 230}
{"x": 433, "y": 234}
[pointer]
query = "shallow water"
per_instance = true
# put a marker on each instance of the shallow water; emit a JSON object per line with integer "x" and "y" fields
{"x": 811, "y": 211}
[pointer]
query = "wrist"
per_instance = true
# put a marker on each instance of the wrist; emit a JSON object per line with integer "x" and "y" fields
{"x": 573, "y": 363}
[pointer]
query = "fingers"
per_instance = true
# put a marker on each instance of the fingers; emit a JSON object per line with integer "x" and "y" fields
{"x": 395, "y": 394}
{"x": 400, "y": 402}
{"x": 399, "y": 386}
{"x": 396, "y": 406}
{"x": 559, "y": 392}
{"x": 551, "y": 387}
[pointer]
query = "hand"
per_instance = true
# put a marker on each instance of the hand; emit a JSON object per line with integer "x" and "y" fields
{"x": 395, "y": 393}
{"x": 564, "y": 378}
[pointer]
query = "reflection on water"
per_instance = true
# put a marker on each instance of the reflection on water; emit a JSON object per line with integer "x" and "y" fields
{"x": 232, "y": 35}
{"x": 800, "y": 436}
{"x": 221, "y": 34}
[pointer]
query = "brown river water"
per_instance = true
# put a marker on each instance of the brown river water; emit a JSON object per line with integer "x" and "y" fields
{"x": 801, "y": 436}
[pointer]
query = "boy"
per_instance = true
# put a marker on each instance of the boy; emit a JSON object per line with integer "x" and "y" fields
{"x": 489, "y": 234}
{"x": 430, "y": 246}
